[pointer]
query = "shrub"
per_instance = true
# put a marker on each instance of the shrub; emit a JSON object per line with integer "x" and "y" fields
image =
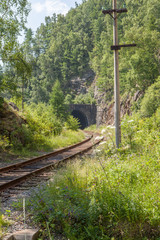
{"x": 72, "y": 123}
{"x": 42, "y": 121}
{"x": 151, "y": 100}
{"x": 4, "y": 143}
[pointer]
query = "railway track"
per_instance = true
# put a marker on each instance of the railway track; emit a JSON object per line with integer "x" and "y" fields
{"x": 20, "y": 175}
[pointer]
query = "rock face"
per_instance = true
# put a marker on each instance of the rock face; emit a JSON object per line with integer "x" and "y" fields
{"x": 10, "y": 121}
{"x": 105, "y": 112}
{"x": 79, "y": 85}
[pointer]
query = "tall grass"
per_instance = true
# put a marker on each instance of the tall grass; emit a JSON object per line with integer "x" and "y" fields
{"x": 113, "y": 195}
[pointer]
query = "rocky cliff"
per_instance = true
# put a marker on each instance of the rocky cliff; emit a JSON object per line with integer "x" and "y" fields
{"x": 79, "y": 85}
{"x": 105, "y": 111}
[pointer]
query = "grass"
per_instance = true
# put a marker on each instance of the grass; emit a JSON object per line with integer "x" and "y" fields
{"x": 50, "y": 143}
{"x": 4, "y": 223}
{"x": 44, "y": 144}
{"x": 67, "y": 137}
{"x": 88, "y": 201}
{"x": 113, "y": 195}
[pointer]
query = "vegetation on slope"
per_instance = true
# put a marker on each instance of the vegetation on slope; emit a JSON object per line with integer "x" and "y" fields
{"x": 39, "y": 129}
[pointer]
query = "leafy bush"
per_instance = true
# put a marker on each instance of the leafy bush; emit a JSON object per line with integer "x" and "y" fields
{"x": 151, "y": 100}
{"x": 43, "y": 131}
{"x": 72, "y": 123}
{"x": 129, "y": 128}
{"x": 41, "y": 120}
{"x": 4, "y": 143}
{"x": 141, "y": 134}
{"x": 68, "y": 99}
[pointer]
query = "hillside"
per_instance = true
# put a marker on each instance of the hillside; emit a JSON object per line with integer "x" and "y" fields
{"x": 66, "y": 47}
{"x": 71, "y": 45}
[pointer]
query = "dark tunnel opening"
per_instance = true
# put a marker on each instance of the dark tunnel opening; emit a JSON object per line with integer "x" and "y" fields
{"x": 81, "y": 118}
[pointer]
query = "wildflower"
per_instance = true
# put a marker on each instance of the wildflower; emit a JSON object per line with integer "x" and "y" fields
{"x": 110, "y": 126}
{"x": 98, "y": 138}
{"x": 130, "y": 121}
{"x": 102, "y": 143}
{"x": 97, "y": 150}
{"x": 103, "y": 131}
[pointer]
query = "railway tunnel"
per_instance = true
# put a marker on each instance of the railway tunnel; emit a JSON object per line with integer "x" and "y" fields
{"x": 81, "y": 118}
{"x": 85, "y": 113}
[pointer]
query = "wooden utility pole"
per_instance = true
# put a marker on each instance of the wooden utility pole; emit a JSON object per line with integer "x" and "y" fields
{"x": 114, "y": 14}
{"x": 116, "y": 79}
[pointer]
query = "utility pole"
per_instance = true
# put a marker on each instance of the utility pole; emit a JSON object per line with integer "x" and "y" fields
{"x": 114, "y": 14}
{"x": 116, "y": 79}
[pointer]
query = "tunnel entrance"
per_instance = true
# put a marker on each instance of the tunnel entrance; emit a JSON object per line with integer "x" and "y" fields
{"x": 81, "y": 118}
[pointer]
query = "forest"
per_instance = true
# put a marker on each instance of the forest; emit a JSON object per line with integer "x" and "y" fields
{"x": 68, "y": 46}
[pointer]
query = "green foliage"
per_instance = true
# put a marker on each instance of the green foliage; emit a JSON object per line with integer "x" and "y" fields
{"x": 129, "y": 129}
{"x": 72, "y": 123}
{"x": 140, "y": 66}
{"x": 41, "y": 121}
{"x": 13, "y": 15}
{"x": 4, "y": 223}
{"x": 57, "y": 100}
{"x": 22, "y": 137}
{"x": 68, "y": 99}
{"x": 87, "y": 98}
{"x": 141, "y": 134}
{"x": 16, "y": 77}
{"x": 113, "y": 196}
{"x": 68, "y": 46}
{"x": 42, "y": 131}
{"x": 151, "y": 100}
{"x": 12, "y": 18}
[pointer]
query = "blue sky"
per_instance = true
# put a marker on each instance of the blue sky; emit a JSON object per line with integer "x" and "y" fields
{"x": 42, "y": 8}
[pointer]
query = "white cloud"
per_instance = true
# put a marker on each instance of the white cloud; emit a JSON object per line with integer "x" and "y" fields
{"x": 38, "y": 7}
{"x": 50, "y": 7}
{"x": 56, "y": 6}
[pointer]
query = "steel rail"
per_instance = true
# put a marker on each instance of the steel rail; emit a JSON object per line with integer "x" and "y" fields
{"x": 30, "y": 161}
{"x": 53, "y": 165}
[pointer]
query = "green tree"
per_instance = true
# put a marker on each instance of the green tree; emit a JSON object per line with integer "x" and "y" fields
{"x": 57, "y": 101}
{"x": 68, "y": 46}
{"x": 16, "y": 76}
{"x": 13, "y": 15}
{"x": 151, "y": 100}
